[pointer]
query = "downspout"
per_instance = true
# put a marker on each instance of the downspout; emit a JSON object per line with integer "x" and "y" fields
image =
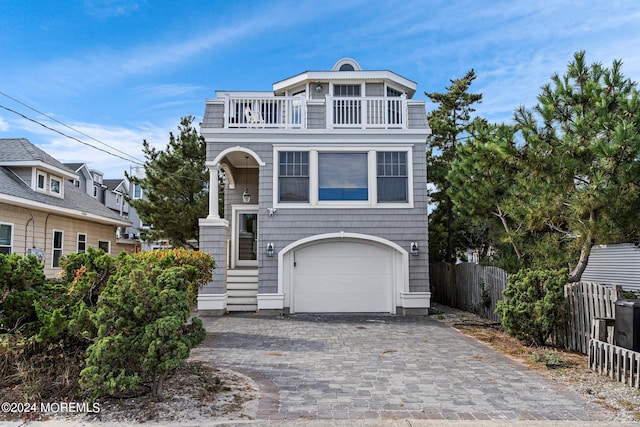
{"x": 26, "y": 228}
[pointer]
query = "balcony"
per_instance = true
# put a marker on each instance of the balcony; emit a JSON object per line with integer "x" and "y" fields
{"x": 295, "y": 112}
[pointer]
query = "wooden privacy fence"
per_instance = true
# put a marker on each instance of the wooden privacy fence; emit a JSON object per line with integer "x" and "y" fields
{"x": 468, "y": 286}
{"x": 586, "y": 302}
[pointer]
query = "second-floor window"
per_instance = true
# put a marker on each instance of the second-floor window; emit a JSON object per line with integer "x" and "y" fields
{"x": 342, "y": 176}
{"x": 293, "y": 176}
{"x": 55, "y": 185}
{"x": 392, "y": 176}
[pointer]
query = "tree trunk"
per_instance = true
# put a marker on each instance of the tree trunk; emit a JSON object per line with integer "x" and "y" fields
{"x": 576, "y": 274}
{"x": 157, "y": 388}
{"x": 585, "y": 251}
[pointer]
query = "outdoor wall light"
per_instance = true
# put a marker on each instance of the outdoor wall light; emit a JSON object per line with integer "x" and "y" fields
{"x": 318, "y": 88}
{"x": 270, "y": 249}
{"x": 246, "y": 197}
{"x": 414, "y": 249}
{"x": 271, "y": 211}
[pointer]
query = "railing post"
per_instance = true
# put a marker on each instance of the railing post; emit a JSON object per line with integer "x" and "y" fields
{"x": 329, "y": 109}
{"x": 404, "y": 111}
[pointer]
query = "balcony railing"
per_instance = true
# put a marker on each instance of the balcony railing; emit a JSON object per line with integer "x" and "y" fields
{"x": 280, "y": 112}
{"x": 267, "y": 112}
{"x": 367, "y": 112}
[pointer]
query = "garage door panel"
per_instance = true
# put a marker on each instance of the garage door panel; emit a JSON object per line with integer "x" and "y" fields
{"x": 343, "y": 277}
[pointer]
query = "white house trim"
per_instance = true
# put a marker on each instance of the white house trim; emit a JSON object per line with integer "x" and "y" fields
{"x": 219, "y": 157}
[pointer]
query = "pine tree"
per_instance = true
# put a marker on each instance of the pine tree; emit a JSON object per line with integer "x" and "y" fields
{"x": 174, "y": 187}
{"x": 582, "y": 151}
{"x": 449, "y": 122}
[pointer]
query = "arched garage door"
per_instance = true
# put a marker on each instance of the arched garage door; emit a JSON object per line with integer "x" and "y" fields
{"x": 337, "y": 276}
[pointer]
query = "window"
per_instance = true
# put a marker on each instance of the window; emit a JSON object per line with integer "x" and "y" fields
{"x": 342, "y": 176}
{"x": 82, "y": 243}
{"x": 392, "y": 176}
{"x": 293, "y": 176}
{"x": 137, "y": 191}
{"x": 57, "y": 248}
{"x": 346, "y": 90}
{"x": 6, "y": 238}
{"x": 55, "y": 185}
{"x": 104, "y": 245}
{"x": 41, "y": 182}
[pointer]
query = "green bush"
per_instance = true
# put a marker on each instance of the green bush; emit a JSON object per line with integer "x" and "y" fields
{"x": 142, "y": 331}
{"x": 123, "y": 318}
{"x": 534, "y": 304}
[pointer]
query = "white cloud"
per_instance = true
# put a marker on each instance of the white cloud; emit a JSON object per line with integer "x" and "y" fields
{"x": 4, "y": 126}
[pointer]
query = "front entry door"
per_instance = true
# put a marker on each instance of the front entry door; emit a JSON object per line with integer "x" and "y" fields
{"x": 246, "y": 236}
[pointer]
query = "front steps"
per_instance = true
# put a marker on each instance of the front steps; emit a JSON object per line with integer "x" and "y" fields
{"x": 242, "y": 289}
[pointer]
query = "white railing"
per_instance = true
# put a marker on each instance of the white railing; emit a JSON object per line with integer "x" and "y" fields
{"x": 265, "y": 112}
{"x": 290, "y": 112}
{"x": 367, "y": 112}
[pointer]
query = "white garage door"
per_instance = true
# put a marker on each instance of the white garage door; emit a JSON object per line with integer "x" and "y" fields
{"x": 342, "y": 276}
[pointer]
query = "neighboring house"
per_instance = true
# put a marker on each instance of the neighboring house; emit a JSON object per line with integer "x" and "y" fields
{"x": 617, "y": 264}
{"x": 114, "y": 197}
{"x": 85, "y": 179}
{"x": 140, "y": 228}
{"x": 325, "y": 200}
{"x": 43, "y": 213}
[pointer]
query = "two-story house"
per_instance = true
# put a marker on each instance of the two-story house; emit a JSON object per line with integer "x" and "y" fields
{"x": 325, "y": 201}
{"x": 43, "y": 213}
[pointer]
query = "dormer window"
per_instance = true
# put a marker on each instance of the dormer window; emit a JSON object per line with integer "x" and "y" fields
{"x": 347, "y": 67}
{"x": 41, "y": 182}
{"x": 55, "y": 186}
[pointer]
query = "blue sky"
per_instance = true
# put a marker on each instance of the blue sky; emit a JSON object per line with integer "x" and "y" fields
{"x": 121, "y": 71}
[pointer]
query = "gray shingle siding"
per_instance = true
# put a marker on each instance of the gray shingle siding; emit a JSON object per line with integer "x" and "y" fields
{"x": 213, "y": 115}
{"x": 399, "y": 225}
{"x": 416, "y": 116}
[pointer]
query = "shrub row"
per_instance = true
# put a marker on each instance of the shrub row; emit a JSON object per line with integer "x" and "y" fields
{"x": 117, "y": 325}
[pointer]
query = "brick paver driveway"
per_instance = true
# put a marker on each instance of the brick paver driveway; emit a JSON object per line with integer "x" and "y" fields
{"x": 381, "y": 367}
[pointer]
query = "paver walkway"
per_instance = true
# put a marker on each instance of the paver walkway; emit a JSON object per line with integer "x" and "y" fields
{"x": 381, "y": 367}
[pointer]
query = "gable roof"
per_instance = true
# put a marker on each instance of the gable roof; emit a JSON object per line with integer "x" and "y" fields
{"x": 21, "y": 152}
{"x": 113, "y": 184}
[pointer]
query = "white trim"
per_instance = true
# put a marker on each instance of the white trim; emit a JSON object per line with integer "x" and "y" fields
{"x": 270, "y": 302}
{"x": 38, "y": 174}
{"x": 235, "y": 211}
{"x": 223, "y": 153}
{"x": 400, "y": 264}
{"x": 415, "y": 299}
{"x": 54, "y": 248}
{"x": 372, "y": 180}
{"x": 212, "y": 301}
{"x": 60, "y": 192}
{"x": 11, "y": 243}
{"x": 87, "y": 216}
{"x": 86, "y": 242}
{"x": 41, "y": 166}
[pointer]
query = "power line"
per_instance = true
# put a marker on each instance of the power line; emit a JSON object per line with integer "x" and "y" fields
{"x": 135, "y": 160}
{"x": 138, "y": 162}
